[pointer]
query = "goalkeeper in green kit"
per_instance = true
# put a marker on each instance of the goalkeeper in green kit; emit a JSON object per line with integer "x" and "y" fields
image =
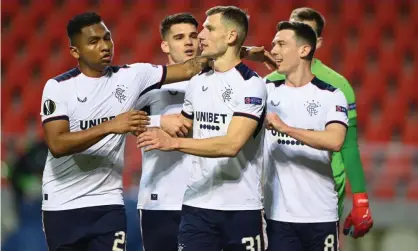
{"x": 359, "y": 221}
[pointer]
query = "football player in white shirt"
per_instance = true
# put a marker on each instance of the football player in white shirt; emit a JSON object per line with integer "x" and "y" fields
{"x": 86, "y": 113}
{"x": 164, "y": 175}
{"x": 222, "y": 207}
{"x": 308, "y": 120}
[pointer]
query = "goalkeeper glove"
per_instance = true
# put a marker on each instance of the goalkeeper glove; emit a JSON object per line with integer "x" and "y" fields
{"x": 359, "y": 221}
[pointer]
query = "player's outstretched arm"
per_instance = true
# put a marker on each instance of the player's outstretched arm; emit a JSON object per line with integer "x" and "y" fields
{"x": 239, "y": 131}
{"x": 186, "y": 70}
{"x": 61, "y": 142}
{"x": 331, "y": 139}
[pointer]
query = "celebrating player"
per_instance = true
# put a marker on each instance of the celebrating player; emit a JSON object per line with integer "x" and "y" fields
{"x": 85, "y": 113}
{"x": 164, "y": 175}
{"x": 359, "y": 221}
{"x": 308, "y": 120}
{"x": 222, "y": 207}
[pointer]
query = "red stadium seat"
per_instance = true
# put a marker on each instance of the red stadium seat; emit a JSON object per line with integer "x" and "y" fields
{"x": 10, "y": 8}
{"x": 410, "y": 132}
{"x": 385, "y": 11}
{"x": 395, "y": 110}
{"x": 378, "y": 130}
{"x": 397, "y": 167}
{"x": 384, "y": 188}
{"x": 72, "y": 8}
{"x": 367, "y": 161}
{"x": 144, "y": 9}
{"x": 179, "y": 6}
{"x": 368, "y": 32}
{"x": 350, "y": 11}
{"x": 111, "y": 12}
{"x": 407, "y": 84}
{"x": 403, "y": 33}
{"x": 412, "y": 190}
{"x": 14, "y": 123}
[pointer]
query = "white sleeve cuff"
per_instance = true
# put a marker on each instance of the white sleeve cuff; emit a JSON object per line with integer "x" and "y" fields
{"x": 155, "y": 121}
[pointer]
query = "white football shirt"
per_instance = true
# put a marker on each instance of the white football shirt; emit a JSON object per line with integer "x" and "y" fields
{"x": 164, "y": 175}
{"x": 212, "y": 99}
{"x": 300, "y": 184}
{"x": 92, "y": 177}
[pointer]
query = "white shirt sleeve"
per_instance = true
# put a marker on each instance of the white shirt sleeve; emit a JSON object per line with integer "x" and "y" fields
{"x": 338, "y": 110}
{"x": 148, "y": 77}
{"x": 251, "y": 99}
{"x": 188, "y": 110}
{"x": 54, "y": 104}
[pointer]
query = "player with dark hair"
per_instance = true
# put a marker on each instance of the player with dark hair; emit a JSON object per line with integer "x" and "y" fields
{"x": 164, "y": 174}
{"x": 222, "y": 205}
{"x": 347, "y": 161}
{"x": 307, "y": 121}
{"x": 86, "y": 113}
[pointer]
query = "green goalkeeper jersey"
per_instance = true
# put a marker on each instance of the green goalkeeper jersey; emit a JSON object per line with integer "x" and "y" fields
{"x": 338, "y": 164}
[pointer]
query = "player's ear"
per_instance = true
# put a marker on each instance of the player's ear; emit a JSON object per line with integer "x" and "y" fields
{"x": 74, "y": 52}
{"x": 232, "y": 37}
{"x": 164, "y": 47}
{"x": 304, "y": 50}
{"x": 319, "y": 42}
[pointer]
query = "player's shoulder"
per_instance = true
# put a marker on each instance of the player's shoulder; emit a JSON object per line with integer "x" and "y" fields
{"x": 323, "y": 85}
{"x": 62, "y": 82}
{"x": 247, "y": 73}
{"x": 126, "y": 69}
{"x": 247, "y": 77}
{"x": 273, "y": 84}
{"x": 327, "y": 91}
{"x": 66, "y": 76}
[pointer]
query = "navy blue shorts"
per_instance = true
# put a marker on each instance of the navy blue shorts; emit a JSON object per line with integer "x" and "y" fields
{"x": 160, "y": 229}
{"x": 86, "y": 229}
{"x": 286, "y": 236}
{"x": 215, "y": 230}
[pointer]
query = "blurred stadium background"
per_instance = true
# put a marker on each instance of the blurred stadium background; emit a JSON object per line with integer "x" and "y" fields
{"x": 371, "y": 42}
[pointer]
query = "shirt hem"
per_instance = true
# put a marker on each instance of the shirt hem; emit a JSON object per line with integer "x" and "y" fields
{"x": 224, "y": 208}
{"x": 304, "y": 219}
{"x": 162, "y": 208}
{"x": 69, "y": 207}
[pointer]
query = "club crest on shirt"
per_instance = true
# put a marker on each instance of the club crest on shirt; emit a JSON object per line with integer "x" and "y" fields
{"x": 120, "y": 93}
{"x": 312, "y": 107}
{"x": 227, "y": 92}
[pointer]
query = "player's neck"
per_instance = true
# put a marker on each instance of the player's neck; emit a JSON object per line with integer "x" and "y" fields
{"x": 227, "y": 61}
{"x": 91, "y": 73}
{"x": 300, "y": 77}
{"x": 170, "y": 60}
